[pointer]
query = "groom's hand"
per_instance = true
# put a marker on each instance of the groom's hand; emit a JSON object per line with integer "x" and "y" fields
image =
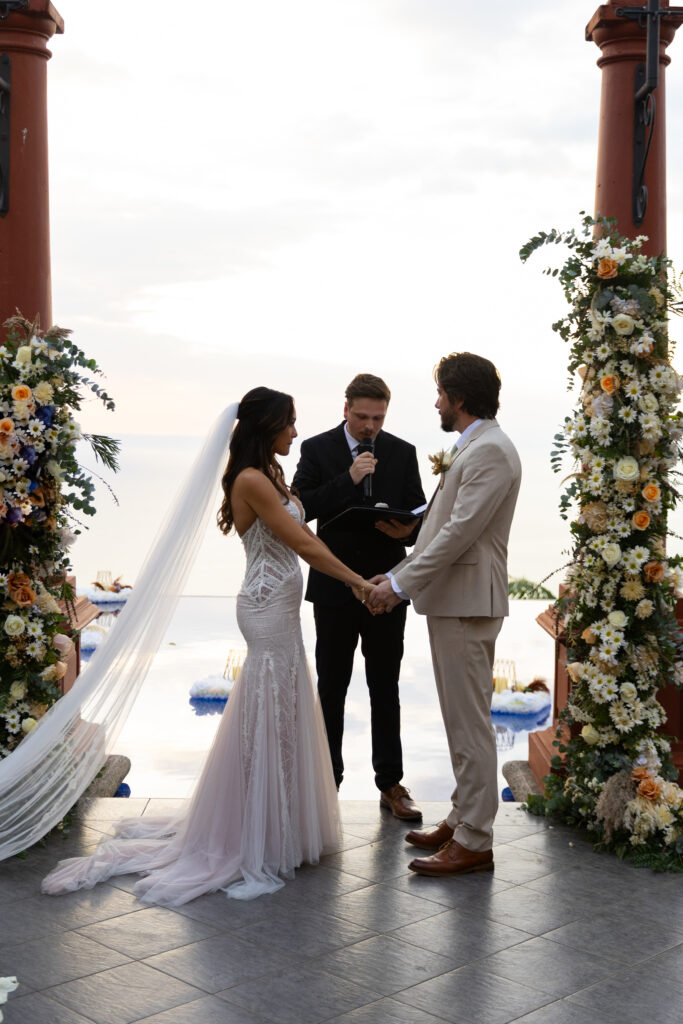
{"x": 383, "y": 597}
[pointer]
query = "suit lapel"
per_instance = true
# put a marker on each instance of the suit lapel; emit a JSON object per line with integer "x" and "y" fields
{"x": 477, "y": 432}
{"x": 341, "y": 449}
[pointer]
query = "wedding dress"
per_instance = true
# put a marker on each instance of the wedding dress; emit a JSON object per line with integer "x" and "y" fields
{"x": 266, "y": 800}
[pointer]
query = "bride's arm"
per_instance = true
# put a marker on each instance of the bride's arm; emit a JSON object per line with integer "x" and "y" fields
{"x": 254, "y": 489}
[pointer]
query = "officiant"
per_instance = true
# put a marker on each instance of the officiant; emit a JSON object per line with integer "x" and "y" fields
{"x": 358, "y": 463}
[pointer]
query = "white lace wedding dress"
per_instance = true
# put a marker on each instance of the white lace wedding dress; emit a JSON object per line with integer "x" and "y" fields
{"x": 266, "y": 801}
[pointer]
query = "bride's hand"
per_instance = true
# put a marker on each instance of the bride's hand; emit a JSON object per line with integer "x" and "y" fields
{"x": 362, "y": 591}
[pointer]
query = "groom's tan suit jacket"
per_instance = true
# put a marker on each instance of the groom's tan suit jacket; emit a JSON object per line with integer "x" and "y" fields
{"x": 457, "y": 577}
{"x": 459, "y": 564}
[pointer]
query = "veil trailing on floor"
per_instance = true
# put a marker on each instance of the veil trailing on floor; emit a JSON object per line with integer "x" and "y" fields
{"x": 41, "y": 780}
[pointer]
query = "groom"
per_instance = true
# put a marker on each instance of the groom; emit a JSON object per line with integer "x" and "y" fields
{"x": 457, "y": 577}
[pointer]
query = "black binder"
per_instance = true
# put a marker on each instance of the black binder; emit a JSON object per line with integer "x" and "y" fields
{"x": 364, "y": 517}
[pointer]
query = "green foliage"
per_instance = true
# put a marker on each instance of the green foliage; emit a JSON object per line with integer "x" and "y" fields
{"x": 522, "y": 589}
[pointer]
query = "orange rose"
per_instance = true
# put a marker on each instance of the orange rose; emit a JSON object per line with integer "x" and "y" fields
{"x": 650, "y": 789}
{"x": 609, "y": 384}
{"x": 640, "y": 772}
{"x": 641, "y": 520}
{"x": 19, "y": 586}
{"x": 37, "y": 498}
{"x": 607, "y": 268}
{"x": 18, "y": 579}
{"x": 21, "y": 393}
{"x": 651, "y": 492}
{"x": 6, "y": 426}
{"x": 588, "y": 635}
{"x": 654, "y": 571}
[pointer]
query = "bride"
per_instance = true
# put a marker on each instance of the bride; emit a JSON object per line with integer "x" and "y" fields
{"x": 266, "y": 801}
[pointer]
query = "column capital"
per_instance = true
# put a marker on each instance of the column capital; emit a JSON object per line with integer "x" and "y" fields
{"x": 623, "y": 39}
{"x": 28, "y": 30}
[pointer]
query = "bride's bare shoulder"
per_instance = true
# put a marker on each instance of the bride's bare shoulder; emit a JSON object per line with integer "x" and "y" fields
{"x": 251, "y": 478}
{"x": 253, "y": 486}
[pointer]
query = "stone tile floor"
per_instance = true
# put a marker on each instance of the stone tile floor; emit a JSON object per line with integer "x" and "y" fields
{"x": 557, "y": 934}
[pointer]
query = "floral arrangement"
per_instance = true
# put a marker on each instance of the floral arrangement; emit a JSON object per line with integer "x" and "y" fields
{"x": 42, "y": 487}
{"x": 623, "y": 644}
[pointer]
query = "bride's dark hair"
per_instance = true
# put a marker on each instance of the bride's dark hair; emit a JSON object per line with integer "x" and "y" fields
{"x": 261, "y": 416}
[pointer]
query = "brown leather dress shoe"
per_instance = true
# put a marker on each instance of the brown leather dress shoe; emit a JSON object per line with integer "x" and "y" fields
{"x": 453, "y": 859}
{"x": 431, "y": 838}
{"x": 399, "y": 802}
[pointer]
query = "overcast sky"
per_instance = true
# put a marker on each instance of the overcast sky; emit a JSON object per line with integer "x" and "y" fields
{"x": 290, "y": 193}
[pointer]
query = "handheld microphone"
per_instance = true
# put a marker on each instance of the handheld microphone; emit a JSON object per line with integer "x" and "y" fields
{"x": 367, "y": 445}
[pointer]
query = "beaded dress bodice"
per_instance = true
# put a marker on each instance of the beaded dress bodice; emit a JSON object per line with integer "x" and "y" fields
{"x": 270, "y": 562}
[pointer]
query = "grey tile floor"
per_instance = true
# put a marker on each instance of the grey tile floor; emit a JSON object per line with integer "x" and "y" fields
{"x": 557, "y": 934}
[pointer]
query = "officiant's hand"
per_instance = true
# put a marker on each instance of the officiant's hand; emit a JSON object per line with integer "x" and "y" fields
{"x": 363, "y": 464}
{"x": 394, "y": 529}
{"x": 383, "y": 597}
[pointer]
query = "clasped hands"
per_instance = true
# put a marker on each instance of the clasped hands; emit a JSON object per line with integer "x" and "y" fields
{"x": 377, "y": 594}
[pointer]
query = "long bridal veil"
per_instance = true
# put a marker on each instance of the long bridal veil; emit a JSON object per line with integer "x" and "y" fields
{"x": 45, "y": 775}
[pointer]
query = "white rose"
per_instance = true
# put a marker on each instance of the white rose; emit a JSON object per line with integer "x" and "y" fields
{"x": 14, "y": 625}
{"x": 628, "y": 692}
{"x": 24, "y": 354}
{"x": 54, "y": 469}
{"x": 28, "y": 724}
{"x": 623, "y": 324}
{"x": 611, "y": 553}
{"x": 590, "y": 734}
{"x": 626, "y": 469}
{"x": 648, "y": 403}
{"x": 617, "y": 619}
{"x": 17, "y": 691}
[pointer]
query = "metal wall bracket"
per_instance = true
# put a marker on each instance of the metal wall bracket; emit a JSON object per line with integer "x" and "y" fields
{"x": 649, "y": 18}
{"x": 8, "y": 7}
{"x": 643, "y": 118}
{"x": 5, "y": 90}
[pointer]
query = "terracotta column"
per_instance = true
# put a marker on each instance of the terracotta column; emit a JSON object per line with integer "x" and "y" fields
{"x": 25, "y": 280}
{"x": 622, "y": 42}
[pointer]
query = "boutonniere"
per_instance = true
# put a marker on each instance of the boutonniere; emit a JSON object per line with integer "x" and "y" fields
{"x": 441, "y": 463}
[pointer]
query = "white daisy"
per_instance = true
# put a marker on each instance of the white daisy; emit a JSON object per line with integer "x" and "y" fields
{"x": 632, "y": 388}
{"x": 12, "y": 720}
{"x": 610, "y": 688}
{"x": 620, "y": 716}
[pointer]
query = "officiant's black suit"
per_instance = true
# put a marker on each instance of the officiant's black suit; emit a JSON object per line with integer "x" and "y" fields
{"x": 325, "y": 488}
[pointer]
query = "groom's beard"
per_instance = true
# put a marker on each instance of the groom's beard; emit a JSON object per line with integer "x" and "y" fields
{"x": 447, "y": 422}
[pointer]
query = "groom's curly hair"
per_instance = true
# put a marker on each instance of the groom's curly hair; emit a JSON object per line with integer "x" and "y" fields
{"x": 261, "y": 416}
{"x": 471, "y": 379}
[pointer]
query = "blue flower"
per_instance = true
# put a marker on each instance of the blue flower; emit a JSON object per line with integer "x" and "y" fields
{"x": 28, "y": 452}
{"x": 46, "y": 414}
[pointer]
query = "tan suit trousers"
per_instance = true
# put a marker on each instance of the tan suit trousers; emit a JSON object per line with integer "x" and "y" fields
{"x": 462, "y": 653}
